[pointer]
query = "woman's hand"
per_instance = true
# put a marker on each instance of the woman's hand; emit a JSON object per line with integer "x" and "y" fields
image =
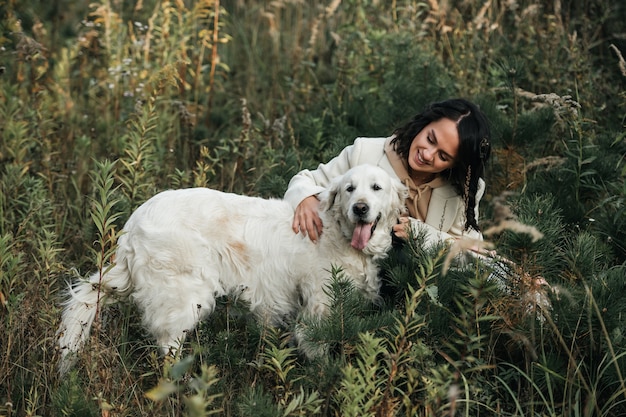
{"x": 307, "y": 219}
{"x": 401, "y": 229}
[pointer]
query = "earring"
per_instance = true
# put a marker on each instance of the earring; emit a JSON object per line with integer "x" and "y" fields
{"x": 484, "y": 148}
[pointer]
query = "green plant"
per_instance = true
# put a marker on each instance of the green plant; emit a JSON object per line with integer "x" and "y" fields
{"x": 202, "y": 398}
{"x": 140, "y": 159}
{"x": 278, "y": 362}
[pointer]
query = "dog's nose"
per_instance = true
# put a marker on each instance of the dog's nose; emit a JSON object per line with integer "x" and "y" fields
{"x": 360, "y": 209}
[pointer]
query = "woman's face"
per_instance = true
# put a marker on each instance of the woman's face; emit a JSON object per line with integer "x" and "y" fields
{"x": 435, "y": 148}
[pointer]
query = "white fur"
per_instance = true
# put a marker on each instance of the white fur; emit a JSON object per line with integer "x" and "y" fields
{"x": 182, "y": 249}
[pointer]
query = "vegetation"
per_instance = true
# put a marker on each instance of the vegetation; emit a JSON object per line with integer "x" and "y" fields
{"x": 103, "y": 105}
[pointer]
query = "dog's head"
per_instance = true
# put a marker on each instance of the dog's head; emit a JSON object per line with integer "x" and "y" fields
{"x": 366, "y": 202}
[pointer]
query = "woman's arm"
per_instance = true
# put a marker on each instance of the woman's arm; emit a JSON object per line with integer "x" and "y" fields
{"x": 307, "y": 184}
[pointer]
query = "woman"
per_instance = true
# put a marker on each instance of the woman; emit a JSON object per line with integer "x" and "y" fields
{"x": 440, "y": 155}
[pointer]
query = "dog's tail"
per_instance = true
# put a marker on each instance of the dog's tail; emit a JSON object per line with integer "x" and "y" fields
{"x": 80, "y": 310}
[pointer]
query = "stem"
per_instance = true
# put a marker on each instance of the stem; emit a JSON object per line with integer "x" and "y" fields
{"x": 216, "y": 15}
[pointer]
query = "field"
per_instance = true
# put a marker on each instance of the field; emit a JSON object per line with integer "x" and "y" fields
{"x": 104, "y": 104}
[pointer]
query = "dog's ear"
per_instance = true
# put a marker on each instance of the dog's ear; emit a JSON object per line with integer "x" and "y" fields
{"x": 328, "y": 196}
{"x": 400, "y": 194}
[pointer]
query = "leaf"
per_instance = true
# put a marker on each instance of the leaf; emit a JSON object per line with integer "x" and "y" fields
{"x": 588, "y": 160}
{"x": 433, "y": 293}
{"x": 162, "y": 391}
{"x": 179, "y": 369}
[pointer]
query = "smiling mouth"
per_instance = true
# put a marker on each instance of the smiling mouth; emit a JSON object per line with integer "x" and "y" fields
{"x": 420, "y": 160}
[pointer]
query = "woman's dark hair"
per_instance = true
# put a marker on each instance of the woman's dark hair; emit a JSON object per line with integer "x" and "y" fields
{"x": 474, "y": 146}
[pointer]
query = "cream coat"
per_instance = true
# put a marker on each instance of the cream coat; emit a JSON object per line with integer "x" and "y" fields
{"x": 446, "y": 211}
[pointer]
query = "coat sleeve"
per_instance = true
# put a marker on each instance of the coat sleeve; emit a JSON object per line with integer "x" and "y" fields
{"x": 312, "y": 182}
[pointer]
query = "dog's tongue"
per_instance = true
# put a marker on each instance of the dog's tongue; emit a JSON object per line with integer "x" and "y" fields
{"x": 362, "y": 234}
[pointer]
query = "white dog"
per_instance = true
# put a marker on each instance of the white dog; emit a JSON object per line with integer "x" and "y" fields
{"x": 182, "y": 249}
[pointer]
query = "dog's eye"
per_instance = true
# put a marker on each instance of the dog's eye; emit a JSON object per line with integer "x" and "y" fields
{"x": 350, "y": 188}
{"x": 376, "y": 187}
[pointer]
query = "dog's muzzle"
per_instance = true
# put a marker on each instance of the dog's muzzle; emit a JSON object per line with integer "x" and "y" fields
{"x": 363, "y": 231}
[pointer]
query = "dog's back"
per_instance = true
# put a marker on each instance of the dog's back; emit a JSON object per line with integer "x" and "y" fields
{"x": 184, "y": 248}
